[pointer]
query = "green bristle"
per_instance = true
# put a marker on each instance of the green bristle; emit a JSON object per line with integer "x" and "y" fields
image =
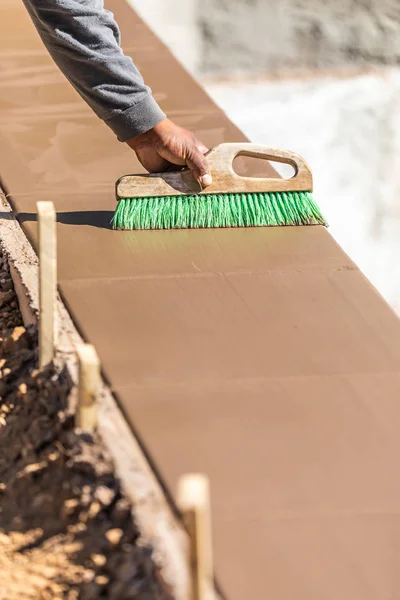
{"x": 218, "y": 210}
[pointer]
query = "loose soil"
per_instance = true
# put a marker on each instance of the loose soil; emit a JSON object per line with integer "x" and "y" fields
{"x": 66, "y": 530}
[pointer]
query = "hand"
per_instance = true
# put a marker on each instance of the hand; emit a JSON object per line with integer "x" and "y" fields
{"x": 168, "y": 144}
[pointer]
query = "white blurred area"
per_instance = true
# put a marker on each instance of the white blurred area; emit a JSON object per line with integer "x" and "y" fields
{"x": 176, "y": 23}
{"x": 348, "y": 129}
{"x": 340, "y": 109}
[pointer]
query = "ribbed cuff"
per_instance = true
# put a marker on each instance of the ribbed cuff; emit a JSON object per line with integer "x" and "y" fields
{"x": 136, "y": 119}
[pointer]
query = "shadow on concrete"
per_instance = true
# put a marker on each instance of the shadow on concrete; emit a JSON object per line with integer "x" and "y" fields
{"x": 90, "y": 218}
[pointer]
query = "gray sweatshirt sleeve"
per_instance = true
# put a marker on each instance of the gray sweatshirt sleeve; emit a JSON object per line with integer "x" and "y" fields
{"x": 84, "y": 41}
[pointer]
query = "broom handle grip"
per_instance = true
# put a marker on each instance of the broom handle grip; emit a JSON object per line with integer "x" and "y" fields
{"x": 220, "y": 160}
{"x": 221, "y": 157}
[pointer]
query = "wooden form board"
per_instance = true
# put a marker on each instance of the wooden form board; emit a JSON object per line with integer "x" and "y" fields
{"x": 47, "y": 282}
{"x": 260, "y": 357}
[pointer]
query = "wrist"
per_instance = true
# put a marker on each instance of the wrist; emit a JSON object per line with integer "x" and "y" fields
{"x": 148, "y": 136}
{"x": 136, "y": 119}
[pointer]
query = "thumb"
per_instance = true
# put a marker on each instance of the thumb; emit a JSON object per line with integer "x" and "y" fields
{"x": 198, "y": 164}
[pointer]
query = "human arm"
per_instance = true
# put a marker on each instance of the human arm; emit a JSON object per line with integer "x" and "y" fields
{"x": 84, "y": 41}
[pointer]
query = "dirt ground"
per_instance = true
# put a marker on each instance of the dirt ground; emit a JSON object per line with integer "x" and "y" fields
{"x": 66, "y": 530}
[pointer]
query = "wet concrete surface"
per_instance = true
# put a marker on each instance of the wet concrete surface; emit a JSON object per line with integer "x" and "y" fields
{"x": 262, "y": 357}
{"x": 237, "y": 326}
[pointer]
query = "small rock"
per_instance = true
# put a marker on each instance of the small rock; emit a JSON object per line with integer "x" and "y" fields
{"x": 85, "y": 499}
{"x": 33, "y": 468}
{"x": 94, "y": 509}
{"x": 102, "y": 580}
{"x": 69, "y": 507}
{"x": 99, "y": 559}
{"x": 114, "y": 536}
{"x": 54, "y": 456}
{"x": 18, "y": 340}
{"x": 76, "y": 528}
{"x": 48, "y": 572}
{"x": 105, "y": 495}
{"x": 121, "y": 509}
{"x": 22, "y": 388}
{"x": 73, "y": 547}
{"x": 88, "y": 575}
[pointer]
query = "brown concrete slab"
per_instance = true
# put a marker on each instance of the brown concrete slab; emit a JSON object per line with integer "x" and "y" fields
{"x": 136, "y": 254}
{"x": 46, "y": 146}
{"x": 236, "y": 326}
{"x": 314, "y": 452}
{"x": 14, "y": 41}
{"x": 42, "y": 117}
{"x": 261, "y": 356}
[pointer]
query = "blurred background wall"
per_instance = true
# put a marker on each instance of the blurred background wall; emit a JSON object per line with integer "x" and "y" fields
{"x": 321, "y": 77}
{"x": 281, "y": 34}
{"x": 223, "y": 36}
{"x": 177, "y": 23}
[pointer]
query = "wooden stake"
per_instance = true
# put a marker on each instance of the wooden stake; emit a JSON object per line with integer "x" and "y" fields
{"x": 88, "y": 387}
{"x": 47, "y": 281}
{"x": 194, "y": 503}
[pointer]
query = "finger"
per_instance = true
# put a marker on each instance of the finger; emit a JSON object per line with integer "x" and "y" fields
{"x": 198, "y": 164}
{"x": 203, "y": 149}
{"x": 152, "y": 162}
{"x": 171, "y": 155}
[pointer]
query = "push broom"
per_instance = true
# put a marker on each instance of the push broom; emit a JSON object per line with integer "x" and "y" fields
{"x": 168, "y": 200}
